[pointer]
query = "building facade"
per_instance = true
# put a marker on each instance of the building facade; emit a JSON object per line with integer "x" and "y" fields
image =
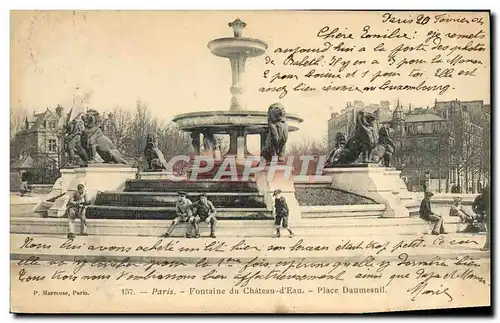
{"x": 437, "y": 147}
{"x": 36, "y": 148}
{"x": 40, "y": 136}
{"x": 470, "y": 157}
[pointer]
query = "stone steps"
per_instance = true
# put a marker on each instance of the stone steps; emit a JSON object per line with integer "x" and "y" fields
{"x": 199, "y": 186}
{"x": 168, "y": 213}
{"x": 164, "y": 199}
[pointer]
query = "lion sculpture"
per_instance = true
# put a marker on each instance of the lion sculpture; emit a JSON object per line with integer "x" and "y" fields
{"x": 363, "y": 140}
{"x": 154, "y": 157}
{"x": 333, "y": 156}
{"x": 277, "y": 134}
{"x": 94, "y": 141}
{"x": 385, "y": 149}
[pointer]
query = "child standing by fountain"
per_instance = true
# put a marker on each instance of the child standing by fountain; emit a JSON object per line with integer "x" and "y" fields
{"x": 281, "y": 213}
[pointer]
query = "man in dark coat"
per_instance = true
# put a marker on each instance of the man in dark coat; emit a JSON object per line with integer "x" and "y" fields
{"x": 427, "y": 215}
{"x": 486, "y": 207}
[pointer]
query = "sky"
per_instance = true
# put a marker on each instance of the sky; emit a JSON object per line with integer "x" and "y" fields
{"x": 161, "y": 58}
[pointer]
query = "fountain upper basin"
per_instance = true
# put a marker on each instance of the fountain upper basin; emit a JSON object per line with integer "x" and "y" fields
{"x": 222, "y": 121}
{"x": 232, "y": 46}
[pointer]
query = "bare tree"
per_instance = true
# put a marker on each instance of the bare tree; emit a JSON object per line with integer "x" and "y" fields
{"x": 142, "y": 123}
{"x": 17, "y": 118}
{"x": 120, "y": 129}
{"x": 172, "y": 141}
{"x": 309, "y": 147}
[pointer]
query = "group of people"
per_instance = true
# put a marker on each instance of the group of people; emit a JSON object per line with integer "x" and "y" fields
{"x": 186, "y": 211}
{"x": 192, "y": 214}
{"x": 204, "y": 210}
{"x": 480, "y": 207}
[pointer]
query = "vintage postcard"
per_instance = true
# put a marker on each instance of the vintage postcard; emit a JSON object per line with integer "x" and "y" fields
{"x": 249, "y": 161}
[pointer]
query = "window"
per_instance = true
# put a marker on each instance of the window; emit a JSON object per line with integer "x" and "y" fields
{"x": 52, "y": 145}
{"x": 420, "y": 128}
{"x": 444, "y": 126}
{"x": 420, "y": 145}
{"x": 431, "y": 144}
{"x": 52, "y": 124}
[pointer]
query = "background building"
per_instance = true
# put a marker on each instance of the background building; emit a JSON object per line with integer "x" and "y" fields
{"x": 438, "y": 147}
{"x": 38, "y": 147}
{"x": 40, "y": 134}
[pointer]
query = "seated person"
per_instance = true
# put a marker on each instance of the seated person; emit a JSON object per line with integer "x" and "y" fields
{"x": 23, "y": 189}
{"x": 76, "y": 209}
{"x": 458, "y": 210}
{"x": 204, "y": 210}
{"x": 478, "y": 208}
{"x": 427, "y": 214}
{"x": 184, "y": 214}
{"x": 479, "y": 213}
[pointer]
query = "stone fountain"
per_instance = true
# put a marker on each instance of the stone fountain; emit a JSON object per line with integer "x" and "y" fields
{"x": 142, "y": 206}
{"x": 237, "y": 122}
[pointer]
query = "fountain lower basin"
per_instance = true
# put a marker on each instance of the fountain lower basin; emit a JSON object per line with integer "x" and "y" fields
{"x": 221, "y": 121}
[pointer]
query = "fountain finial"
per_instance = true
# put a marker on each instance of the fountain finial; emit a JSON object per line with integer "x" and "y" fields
{"x": 238, "y": 26}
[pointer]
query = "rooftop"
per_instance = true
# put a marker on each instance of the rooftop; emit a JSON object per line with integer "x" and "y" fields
{"x": 422, "y": 117}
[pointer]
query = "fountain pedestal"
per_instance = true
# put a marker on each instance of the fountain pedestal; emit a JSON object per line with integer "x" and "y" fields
{"x": 156, "y": 175}
{"x": 381, "y": 184}
{"x": 95, "y": 178}
{"x": 280, "y": 177}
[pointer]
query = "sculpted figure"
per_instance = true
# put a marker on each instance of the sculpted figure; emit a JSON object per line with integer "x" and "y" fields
{"x": 277, "y": 134}
{"x": 94, "y": 141}
{"x": 340, "y": 142}
{"x": 209, "y": 141}
{"x": 195, "y": 141}
{"x": 386, "y": 147}
{"x": 154, "y": 157}
{"x": 362, "y": 141}
{"x": 73, "y": 139}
